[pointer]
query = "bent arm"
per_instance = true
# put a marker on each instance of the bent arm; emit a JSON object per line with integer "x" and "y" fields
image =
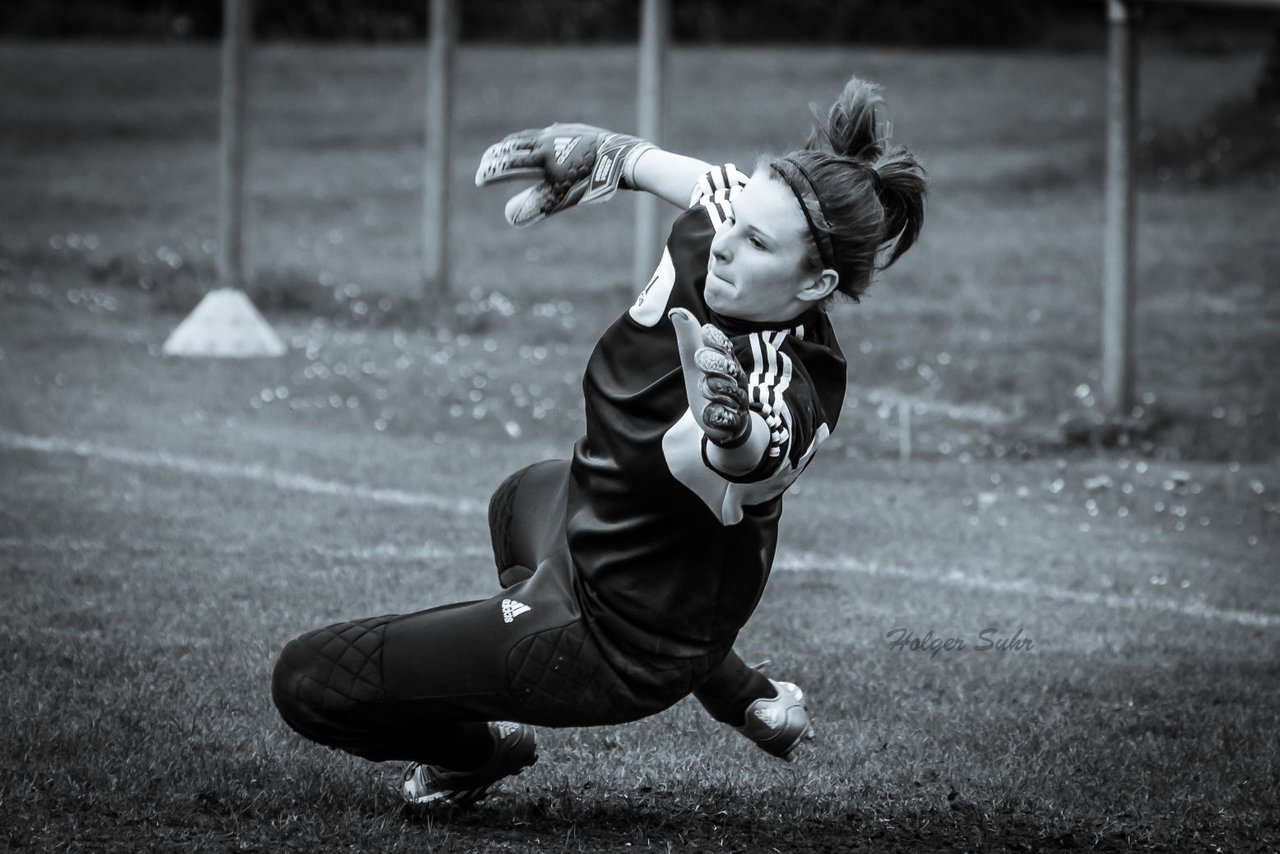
{"x": 670, "y": 177}
{"x": 747, "y": 456}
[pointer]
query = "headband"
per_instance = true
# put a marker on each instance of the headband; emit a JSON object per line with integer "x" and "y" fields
{"x": 820, "y": 238}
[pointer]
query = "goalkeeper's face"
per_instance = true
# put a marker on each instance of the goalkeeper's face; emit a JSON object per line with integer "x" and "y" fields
{"x": 758, "y": 268}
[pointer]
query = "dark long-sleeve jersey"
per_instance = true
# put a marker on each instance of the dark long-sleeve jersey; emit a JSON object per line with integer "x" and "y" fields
{"x": 672, "y": 555}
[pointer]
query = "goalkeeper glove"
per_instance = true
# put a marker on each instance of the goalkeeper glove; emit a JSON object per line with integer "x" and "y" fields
{"x": 576, "y": 164}
{"x": 714, "y": 381}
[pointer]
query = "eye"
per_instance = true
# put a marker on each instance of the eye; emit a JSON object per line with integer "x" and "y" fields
{"x": 757, "y": 242}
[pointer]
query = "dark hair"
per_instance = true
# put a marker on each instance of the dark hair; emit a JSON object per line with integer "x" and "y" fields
{"x": 859, "y": 195}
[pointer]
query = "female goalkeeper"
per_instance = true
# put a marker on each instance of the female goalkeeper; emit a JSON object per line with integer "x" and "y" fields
{"x": 628, "y": 570}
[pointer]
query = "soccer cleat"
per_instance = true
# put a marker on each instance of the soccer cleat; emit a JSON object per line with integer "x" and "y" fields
{"x": 514, "y": 750}
{"x": 778, "y": 724}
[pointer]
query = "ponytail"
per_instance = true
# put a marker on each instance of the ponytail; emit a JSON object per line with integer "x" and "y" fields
{"x": 902, "y": 195}
{"x": 853, "y": 126}
{"x": 862, "y": 198}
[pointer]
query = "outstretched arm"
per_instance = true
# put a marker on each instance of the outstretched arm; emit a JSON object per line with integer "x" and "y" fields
{"x": 669, "y": 176}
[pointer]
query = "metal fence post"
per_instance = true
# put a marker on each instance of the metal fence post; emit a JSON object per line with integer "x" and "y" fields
{"x": 651, "y": 99}
{"x": 236, "y": 31}
{"x": 1118, "y": 260}
{"x": 435, "y": 169}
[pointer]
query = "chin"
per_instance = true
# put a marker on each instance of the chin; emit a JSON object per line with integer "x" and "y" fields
{"x": 715, "y": 293}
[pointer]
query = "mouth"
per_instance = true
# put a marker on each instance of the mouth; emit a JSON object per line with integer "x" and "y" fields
{"x": 711, "y": 272}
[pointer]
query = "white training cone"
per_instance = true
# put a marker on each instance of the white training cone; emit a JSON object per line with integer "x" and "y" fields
{"x": 224, "y": 325}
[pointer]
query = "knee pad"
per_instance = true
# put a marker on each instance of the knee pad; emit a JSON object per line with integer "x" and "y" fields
{"x": 294, "y": 671}
{"x": 329, "y": 671}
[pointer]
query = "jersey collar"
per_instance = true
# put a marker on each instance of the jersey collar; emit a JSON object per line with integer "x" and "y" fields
{"x": 732, "y": 326}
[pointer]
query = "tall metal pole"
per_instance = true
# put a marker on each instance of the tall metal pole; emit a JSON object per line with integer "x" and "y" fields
{"x": 236, "y": 30}
{"x": 654, "y": 34}
{"x": 435, "y": 172}
{"x": 1118, "y": 261}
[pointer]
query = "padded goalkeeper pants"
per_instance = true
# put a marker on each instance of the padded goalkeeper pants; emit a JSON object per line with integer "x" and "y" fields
{"x": 421, "y": 686}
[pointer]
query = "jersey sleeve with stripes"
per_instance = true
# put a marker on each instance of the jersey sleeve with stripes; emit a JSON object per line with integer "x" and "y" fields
{"x": 770, "y": 371}
{"x": 716, "y": 190}
{"x": 780, "y": 389}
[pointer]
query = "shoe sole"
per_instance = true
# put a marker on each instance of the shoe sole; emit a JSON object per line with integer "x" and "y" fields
{"x": 807, "y": 735}
{"x": 463, "y": 798}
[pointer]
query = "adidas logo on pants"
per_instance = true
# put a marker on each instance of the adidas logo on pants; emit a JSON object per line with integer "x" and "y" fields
{"x": 512, "y": 609}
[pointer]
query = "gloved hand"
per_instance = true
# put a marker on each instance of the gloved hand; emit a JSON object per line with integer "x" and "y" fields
{"x": 714, "y": 381}
{"x": 575, "y": 164}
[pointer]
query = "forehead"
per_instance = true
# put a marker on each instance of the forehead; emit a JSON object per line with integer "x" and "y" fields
{"x": 768, "y": 203}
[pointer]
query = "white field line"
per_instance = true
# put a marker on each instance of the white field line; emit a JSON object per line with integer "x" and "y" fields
{"x": 286, "y": 480}
{"x": 808, "y": 562}
{"x": 387, "y": 552}
{"x": 786, "y": 561}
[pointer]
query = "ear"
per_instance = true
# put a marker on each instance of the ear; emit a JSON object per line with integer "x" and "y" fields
{"x": 820, "y": 287}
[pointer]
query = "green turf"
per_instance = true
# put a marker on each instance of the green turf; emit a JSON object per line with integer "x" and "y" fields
{"x": 157, "y": 546}
{"x": 145, "y": 605}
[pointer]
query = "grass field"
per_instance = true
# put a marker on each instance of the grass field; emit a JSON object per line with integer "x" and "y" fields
{"x": 165, "y": 525}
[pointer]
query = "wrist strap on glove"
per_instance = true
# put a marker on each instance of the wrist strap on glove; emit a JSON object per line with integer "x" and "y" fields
{"x": 615, "y": 166}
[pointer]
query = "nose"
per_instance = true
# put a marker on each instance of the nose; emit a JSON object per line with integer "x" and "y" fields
{"x": 719, "y": 248}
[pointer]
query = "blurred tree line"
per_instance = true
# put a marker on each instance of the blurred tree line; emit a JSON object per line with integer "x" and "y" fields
{"x": 991, "y": 23}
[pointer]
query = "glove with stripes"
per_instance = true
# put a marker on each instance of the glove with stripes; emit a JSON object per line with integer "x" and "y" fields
{"x": 576, "y": 165}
